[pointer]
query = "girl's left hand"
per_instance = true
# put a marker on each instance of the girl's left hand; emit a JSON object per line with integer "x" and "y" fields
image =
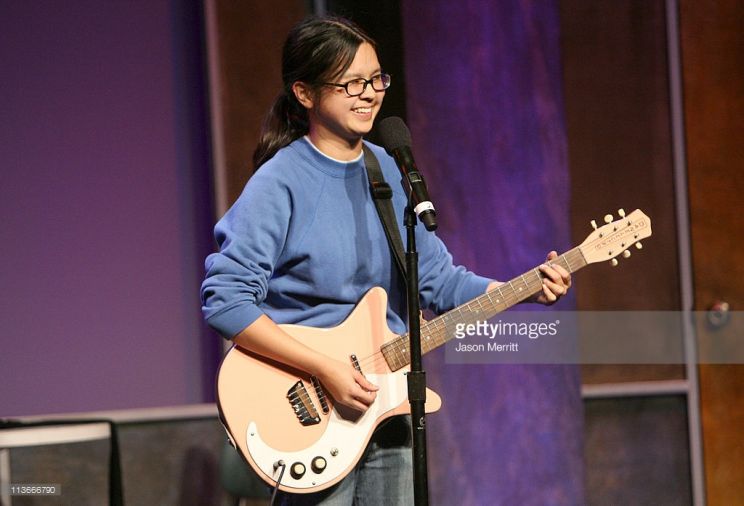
{"x": 556, "y": 282}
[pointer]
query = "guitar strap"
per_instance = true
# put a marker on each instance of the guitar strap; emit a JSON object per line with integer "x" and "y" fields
{"x": 382, "y": 196}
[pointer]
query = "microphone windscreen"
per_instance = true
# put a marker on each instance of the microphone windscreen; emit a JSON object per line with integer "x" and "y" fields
{"x": 393, "y": 134}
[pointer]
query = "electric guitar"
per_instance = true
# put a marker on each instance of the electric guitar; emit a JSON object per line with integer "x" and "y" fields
{"x": 273, "y": 413}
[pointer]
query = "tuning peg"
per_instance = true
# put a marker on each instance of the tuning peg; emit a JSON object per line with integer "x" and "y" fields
{"x": 639, "y": 245}
{"x": 593, "y": 224}
{"x": 621, "y": 212}
{"x": 613, "y": 262}
{"x": 608, "y": 218}
{"x": 626, "y": 254}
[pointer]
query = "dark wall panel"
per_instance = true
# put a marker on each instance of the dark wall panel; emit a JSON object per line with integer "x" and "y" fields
{"x": 248, "y": 37}
{"x": 381, "y": 20}
{"x": 619, "y": 137}
{"x": 636, "y": 451}
{"x": 168, "y": 463}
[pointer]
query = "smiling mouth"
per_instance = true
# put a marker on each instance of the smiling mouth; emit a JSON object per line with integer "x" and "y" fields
{"x": 362, "y": 110}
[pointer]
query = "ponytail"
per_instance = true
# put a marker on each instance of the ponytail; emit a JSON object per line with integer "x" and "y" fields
{"x": 285, "y": 123}
{"x": 316, "y": 50}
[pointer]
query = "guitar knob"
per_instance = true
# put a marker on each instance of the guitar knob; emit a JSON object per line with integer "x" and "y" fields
{"x": 613, "y": 262}
{"x": 639, "y": 245}
{"x": 621, "y": 212}
{"x": 608, "y": 218}
{"x": 626, "y": 254}
{"x": 318, "y": 465}
{"x": 297, "y": 470}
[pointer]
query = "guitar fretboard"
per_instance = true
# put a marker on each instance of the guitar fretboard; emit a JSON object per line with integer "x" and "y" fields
{"x": 441, "y": 329}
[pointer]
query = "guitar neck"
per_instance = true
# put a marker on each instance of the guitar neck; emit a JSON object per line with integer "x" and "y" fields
{"x": 438, "y": 331}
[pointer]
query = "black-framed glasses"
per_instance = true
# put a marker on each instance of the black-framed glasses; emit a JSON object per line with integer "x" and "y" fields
{"x": 356, "y": 87}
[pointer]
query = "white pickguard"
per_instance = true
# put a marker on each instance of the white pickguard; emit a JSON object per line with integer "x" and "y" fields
{"x": 342, "y": 437}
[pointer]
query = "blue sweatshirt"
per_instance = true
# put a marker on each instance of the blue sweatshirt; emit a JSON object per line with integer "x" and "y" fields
{"x": 303, "y": 243}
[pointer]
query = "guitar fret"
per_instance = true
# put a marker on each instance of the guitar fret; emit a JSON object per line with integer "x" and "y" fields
{"x": 396, "y": 357}
{"x": 568, "y": 264}
{"x": 401, "y": 352}
{"x": 384, "y": 349}
{"x": 480, "y": 306}
{"x": 435, "y": 332}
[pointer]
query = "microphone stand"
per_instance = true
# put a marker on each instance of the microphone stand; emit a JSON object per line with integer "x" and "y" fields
{"x": 417, "y": 376}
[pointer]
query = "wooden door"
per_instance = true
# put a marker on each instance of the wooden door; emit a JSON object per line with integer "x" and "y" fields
{"x": 713, "y": 72}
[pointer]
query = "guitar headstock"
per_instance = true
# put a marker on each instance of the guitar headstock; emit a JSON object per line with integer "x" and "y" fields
{"x": 614, "y": 238}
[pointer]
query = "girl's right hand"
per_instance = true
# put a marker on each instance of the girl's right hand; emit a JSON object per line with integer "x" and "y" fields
{"x": 347, "y": 386}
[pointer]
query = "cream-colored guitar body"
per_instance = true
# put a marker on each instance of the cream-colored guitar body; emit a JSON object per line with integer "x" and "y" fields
{"x": 274, "y": 413}
{"x": 262, "y": 422}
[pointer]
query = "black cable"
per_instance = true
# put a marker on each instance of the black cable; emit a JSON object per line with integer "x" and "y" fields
{"x": 281, "y": 475}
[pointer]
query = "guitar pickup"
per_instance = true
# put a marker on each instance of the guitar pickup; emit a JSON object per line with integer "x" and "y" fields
{"x": 321, "y": 395}
{"x": 302, "y": 405}
{"x": 355, "y": 363}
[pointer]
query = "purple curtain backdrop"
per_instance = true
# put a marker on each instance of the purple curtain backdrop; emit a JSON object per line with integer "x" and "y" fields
{"x": 486, "y": 115}
{"x": 106, "y": 214}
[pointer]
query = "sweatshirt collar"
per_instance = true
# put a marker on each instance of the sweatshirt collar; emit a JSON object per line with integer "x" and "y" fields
{"x": 326, "y": 164}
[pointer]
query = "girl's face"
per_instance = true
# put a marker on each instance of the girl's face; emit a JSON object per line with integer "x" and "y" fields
{"x": 338, "y": 121}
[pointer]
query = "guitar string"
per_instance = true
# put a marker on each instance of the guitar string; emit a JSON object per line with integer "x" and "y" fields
{"x": 399, "y": 346}
{"x": 436, "y": 325}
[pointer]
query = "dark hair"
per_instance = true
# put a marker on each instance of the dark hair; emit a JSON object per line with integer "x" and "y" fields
{"x": 316, "y": 50}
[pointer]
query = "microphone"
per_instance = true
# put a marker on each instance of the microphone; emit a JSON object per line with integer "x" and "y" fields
{"x": 396, "y": 139}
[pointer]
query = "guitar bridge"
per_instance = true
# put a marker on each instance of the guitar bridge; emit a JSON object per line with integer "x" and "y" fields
{"x": 302, "y": 405}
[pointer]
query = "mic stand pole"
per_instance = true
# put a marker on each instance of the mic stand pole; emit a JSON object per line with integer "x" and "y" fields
{"x": 417, "y": 376}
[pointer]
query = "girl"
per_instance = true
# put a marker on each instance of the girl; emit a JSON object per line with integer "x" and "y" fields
{"x": 304, "y": 243}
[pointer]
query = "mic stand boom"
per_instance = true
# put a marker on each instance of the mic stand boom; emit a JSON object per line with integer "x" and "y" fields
{"x": 417, "y": 376}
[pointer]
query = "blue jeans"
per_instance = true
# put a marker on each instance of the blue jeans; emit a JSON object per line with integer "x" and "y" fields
{"x": 382, "y": 476}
